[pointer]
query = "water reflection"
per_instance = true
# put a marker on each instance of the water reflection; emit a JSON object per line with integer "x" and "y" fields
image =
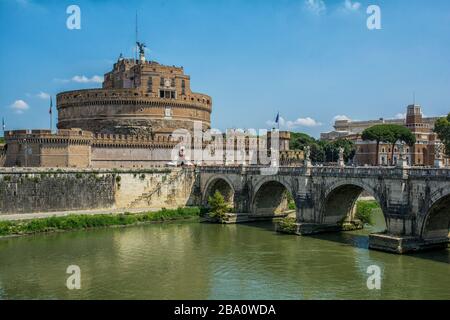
{"x": 204, "y": 261}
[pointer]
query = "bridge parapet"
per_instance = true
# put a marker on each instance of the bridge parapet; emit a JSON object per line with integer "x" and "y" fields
{"x": 333, "y": 171}
{"x": 429, "y": 173}
{"x": 414, "y": 201}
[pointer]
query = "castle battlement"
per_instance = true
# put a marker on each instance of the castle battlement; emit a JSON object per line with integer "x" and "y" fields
{"x": 135, "y": 97}
{"x": 46, "y": 136}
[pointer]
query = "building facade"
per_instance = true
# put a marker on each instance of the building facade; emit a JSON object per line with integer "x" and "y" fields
{"x": 145, "y": 115}
{"x": 422, "y": 153}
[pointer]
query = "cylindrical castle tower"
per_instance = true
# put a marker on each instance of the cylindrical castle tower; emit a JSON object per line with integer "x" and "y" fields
{"x": 137, "y": 98}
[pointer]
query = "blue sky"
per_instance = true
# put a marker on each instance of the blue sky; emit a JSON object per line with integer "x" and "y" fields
{"x": 311, "y": 60}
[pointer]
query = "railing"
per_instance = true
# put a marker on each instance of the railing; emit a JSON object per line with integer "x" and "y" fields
{"x": 333, "y": 171}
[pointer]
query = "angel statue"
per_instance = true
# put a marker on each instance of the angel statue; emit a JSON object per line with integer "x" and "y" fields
{"x": 307, "y": 153}
{"x": 438, "y": 151}
{"x": 341, "y": 154}
{"x": 141, "y": 47}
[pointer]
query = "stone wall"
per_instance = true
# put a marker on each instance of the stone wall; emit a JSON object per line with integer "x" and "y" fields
{"x": 57, "y": 191}
{"x": 50, "y": 190}
{"x": 2, "y": 154}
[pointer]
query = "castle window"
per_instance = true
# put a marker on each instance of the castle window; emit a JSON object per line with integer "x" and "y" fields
{"x": 173, "y": 82}
{"x": 150, "y": 84}
{"x": 167, "y": 94}
{"x": 161, "y": 83}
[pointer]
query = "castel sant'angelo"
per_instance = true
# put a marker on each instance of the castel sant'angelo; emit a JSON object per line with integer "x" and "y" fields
{"x": 129, "y": 122}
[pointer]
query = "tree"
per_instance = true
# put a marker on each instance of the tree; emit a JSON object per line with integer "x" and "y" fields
{"x": 442, "y": 128}
{"x": 399, "y": 133}
{"x": 389, "y": 133}
{"x": 378, "y": 133}
{"x": 322, "y": 151}
{"x": 300, "y": 140}
{"x": 218, "y": 207}
{"x": 331, "y": 149}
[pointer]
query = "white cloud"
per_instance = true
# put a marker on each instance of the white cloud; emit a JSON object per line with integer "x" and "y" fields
{"x": 43, "y": 95}
{"x": 341, "y": 117}
{"x": 300, "y": 122}
{"x": 400, "y": 116}
{"x": 81, "y": 79}
{"x": 305, "y": 122}
{"x": 316, "y": 6}
{"x": 20, "y": 106}
{"x": 352, "y": 6}
{"x": 84, "y": 79}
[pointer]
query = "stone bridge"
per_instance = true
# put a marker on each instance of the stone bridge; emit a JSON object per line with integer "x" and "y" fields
{"x": 415, "y": 201}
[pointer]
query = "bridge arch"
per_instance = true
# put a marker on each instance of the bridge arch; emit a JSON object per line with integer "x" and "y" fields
{"x": 221, "y": 184}
{"x": 340, "y": 201}
{"x": 436, "y": 222}
{"x": 271, "y": 196}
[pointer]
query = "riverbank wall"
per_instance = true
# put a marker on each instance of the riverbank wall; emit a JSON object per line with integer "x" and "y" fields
{"x": 26, "y": 190}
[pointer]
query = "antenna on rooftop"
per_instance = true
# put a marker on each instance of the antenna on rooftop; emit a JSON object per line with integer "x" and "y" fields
{"x": 137, "y": 38}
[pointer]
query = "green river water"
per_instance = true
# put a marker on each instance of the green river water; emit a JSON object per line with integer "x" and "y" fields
{"x": 207, "y": 261}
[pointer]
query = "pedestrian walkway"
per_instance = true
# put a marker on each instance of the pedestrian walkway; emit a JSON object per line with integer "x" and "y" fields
{"x": 42, "y": 215}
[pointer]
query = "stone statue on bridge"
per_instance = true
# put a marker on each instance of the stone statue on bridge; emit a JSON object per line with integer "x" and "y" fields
{"x": 438, "y": 151}
{"x": 341, "y": 162}
{"x": 403, "y": 159}
{"x": 307, "y": 151}
{"x": 438, "y": 159}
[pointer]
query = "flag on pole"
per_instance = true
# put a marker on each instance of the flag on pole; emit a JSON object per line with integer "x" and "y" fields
{"x": 3, "y": 124}
{"x": 50, "y": 111}
{"x": 277, "y": 120}
{"x": 51, "y": 106}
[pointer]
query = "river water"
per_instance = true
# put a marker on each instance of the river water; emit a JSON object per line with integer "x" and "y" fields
{"x": 207, "y": 261}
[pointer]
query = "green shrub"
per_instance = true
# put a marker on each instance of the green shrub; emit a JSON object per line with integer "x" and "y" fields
{"x": 288, "y": 225}
{"x": 5, "y": 227}
{"x": 364, "y": 211}
{"x": 218, "y": 207}
{"x": 291, "y": 202}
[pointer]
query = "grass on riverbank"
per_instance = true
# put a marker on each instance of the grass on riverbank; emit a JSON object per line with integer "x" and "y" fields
{"x": 80, "y": 222}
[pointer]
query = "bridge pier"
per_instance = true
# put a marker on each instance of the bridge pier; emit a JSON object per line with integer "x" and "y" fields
{"x": 404, "y": 244}
{"x": 415, "y": 201}
{"x": 307, "y": 229}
